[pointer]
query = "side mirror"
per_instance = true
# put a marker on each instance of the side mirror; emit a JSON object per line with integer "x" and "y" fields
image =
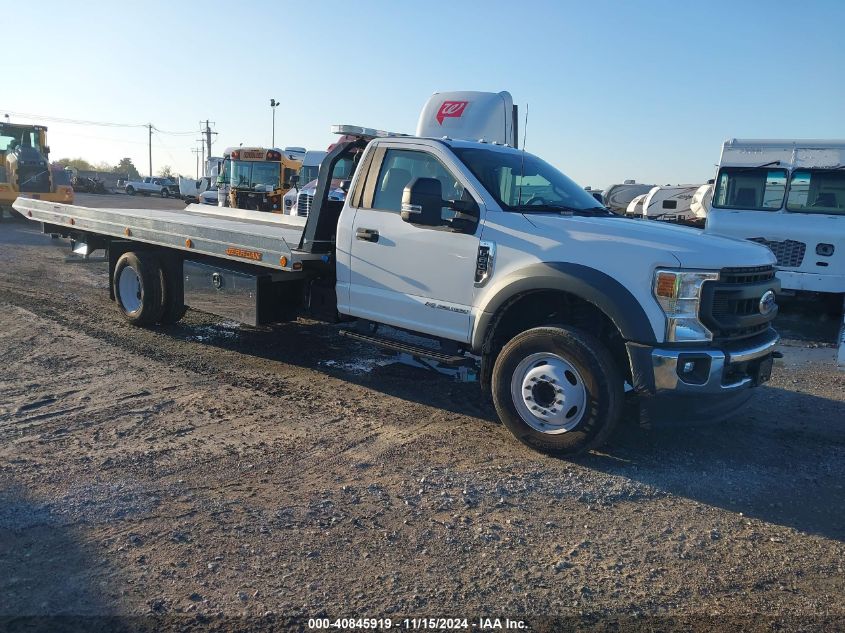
{"x": 294, "y": 180}
{"x": 422, "y": 202}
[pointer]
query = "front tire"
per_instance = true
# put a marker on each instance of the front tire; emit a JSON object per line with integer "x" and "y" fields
{"x": 557, "y": 390}
{"x": 164, "y": 193}
{"x": 138, "y": 288}
{"x": 130, "y": 191}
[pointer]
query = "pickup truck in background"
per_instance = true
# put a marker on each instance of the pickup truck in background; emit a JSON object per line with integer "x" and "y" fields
{"x": 164, "y": 187}
{"x": 488, "y": 256}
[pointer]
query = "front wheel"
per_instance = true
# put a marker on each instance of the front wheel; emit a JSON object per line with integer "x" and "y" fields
{"x": 130, "y": 191}
{"x": 164, "y": 193}
{"x": 558, "y": 390}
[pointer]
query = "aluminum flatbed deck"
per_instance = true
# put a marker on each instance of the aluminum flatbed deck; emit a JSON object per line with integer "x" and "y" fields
{"x": 253, "y": 237}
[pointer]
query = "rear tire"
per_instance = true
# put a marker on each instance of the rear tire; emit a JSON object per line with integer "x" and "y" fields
{"x": 557, "y": 390}
{"x": 138, "y": 288}
{"x": 173, "y": 302}
{"x": 130, "y": 191}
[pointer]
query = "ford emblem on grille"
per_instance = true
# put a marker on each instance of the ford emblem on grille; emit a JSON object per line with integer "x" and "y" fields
{"x": 767, "y": 302}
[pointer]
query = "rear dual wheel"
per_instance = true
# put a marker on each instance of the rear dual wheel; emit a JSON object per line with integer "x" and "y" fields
{"x": 558, "y": 390}
{"x": 148, "y": 289}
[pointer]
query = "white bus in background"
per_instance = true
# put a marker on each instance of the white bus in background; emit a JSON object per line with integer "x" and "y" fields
{"x": 618, "y": 197}
{"x": 790, "y": 196}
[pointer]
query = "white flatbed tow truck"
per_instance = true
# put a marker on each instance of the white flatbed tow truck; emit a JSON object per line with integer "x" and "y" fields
{"x": 488, "y": 253}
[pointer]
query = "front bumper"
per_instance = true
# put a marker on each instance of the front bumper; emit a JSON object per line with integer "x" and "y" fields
{"x": 811, "y": 281}
{"x": 711, "y": 370}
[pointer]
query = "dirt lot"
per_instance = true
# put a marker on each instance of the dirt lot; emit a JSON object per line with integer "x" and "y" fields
{"x": 205, "y": 470}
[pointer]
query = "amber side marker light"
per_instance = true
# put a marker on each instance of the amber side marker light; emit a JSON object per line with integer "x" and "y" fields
{"x": 666, "y": 285}
{"x": 283, "y": 261}
{"x": 127, "y": 232}
{"x": 189, "y": 243}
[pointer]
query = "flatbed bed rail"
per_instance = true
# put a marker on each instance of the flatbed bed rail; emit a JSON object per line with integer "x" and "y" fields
{"x": 257, "y": 241}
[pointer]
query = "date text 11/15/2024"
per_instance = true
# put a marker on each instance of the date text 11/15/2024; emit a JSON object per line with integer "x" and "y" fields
{"x": 417, "y": 624}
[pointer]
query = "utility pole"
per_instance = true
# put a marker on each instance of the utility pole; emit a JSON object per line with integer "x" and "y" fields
{"x": 207, "y": 131}
{"x": 197, "y": 151}
{"x": 150, "y": 127}
{"x": 201, "y": 141}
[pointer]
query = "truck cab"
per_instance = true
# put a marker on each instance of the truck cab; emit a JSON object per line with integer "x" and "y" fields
{"x": 788, "y": 195}
{"x": 25, "y": 166}
{"x": 306, "y": 177}
{"x": 492, "y": 251}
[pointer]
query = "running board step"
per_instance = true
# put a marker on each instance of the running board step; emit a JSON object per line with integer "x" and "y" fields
{"x": 407, "y": 348}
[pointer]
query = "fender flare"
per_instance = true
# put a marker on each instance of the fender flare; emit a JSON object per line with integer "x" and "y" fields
{"x": 589, "y": 284}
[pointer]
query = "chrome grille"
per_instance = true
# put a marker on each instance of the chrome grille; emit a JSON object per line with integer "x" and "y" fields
{"x": 789, "y": 253}
{"x": 303, "y": 203}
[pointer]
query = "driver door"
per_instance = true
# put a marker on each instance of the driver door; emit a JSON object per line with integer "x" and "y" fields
{"x": 413, "y": 277}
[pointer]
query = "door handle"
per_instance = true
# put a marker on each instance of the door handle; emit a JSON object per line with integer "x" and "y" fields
{"x": 368, "y": 235}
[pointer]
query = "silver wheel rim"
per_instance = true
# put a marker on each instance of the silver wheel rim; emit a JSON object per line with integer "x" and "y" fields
{"x": 549, "y": 393}
{"x": 129, "y": 290}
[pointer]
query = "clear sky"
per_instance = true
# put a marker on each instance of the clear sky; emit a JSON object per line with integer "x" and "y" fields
{"x": 646, "y": 90}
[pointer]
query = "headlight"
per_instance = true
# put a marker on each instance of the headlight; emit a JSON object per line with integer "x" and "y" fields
{"x": 679, "y": 294}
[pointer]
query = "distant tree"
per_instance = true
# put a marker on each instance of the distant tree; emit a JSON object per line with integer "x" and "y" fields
{"x": 125, "y": 166}
{"x": 166, "y": 172}
{"x": 75, "y": 163}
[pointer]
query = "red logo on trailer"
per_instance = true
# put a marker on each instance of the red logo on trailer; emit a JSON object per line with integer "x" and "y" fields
{"x": 451, "y": 109}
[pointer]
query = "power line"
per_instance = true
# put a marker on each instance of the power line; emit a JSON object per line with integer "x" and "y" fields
{"x": 56, "y": 119}
{"x": 159, "y": 130}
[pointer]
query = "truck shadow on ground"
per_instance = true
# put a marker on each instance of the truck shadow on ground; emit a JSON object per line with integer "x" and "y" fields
{"x": 781, "y": 459}
{"x": 44, "y": 568}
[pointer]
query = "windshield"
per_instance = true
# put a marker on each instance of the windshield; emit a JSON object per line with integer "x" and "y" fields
{"x": 11, "y": 137}
{"x": 754, "y": 188}
{"x": 525, "y": 183}
{"x": 308, "y": 173}
{"x": 817, "y": 191}
{"x": 251, "y": 174}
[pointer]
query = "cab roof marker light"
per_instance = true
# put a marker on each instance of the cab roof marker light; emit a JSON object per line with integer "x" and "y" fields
{"x": 364, "y": 132}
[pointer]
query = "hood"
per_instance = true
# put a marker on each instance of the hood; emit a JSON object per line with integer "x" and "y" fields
{"x": 691, "y": 247}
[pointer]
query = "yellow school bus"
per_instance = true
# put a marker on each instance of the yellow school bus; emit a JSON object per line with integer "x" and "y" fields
{"x": 259, "y": 177}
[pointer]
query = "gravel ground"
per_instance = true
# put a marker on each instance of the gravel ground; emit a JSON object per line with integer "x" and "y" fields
{"x": 206, "y": 470}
